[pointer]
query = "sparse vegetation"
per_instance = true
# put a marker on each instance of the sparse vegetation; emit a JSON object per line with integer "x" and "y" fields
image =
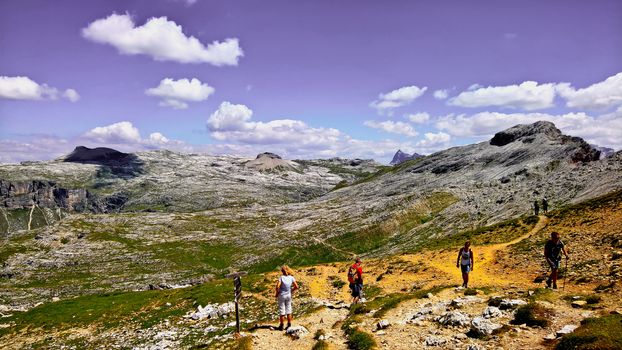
{"x": 595, "y": 333}
{"x": 533, "y": 315}
{"x": 357, "y": 339}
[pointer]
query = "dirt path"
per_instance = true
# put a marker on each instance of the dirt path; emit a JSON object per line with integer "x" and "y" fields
{"x": 442, "y": 271}
{"x": 333, "y": 247}
{"x": 486, "y": 272}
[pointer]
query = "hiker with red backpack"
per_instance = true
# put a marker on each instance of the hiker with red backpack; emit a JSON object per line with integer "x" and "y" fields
{"x": 355, "y": 277}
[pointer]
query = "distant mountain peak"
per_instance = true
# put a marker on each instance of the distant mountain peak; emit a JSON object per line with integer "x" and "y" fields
{"x": 400, "y": 157}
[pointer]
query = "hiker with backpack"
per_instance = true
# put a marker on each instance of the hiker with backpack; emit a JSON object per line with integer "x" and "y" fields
{"x": 553, "y": 250}
{"x": 465, "y": 262}
{"x": 536, "y": 208}
{"x": 545, "y": 205}
{"x": 355, "y": 277}
{"x": 285, "y": 286}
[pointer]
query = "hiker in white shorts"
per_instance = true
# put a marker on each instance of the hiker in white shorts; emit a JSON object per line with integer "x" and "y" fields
{"x": 285, "y": 286}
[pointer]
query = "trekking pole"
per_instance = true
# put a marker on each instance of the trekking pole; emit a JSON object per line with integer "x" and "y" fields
{"x": 565, "y": 275}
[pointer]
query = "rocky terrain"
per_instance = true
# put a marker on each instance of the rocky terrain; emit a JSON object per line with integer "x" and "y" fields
{"x": 139, "y": 241}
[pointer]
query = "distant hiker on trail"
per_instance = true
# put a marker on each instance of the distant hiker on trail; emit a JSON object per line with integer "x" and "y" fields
{"x": 553, "y": 250}
{"x": 465, "y": 262}
{"x": 536, "y": 207}
{"x": 545, "y": 205}
{"x": 285, "y": 286}
{"x": 355, "y": 277}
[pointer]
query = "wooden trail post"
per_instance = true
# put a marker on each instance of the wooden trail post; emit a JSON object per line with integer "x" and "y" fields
{"x": 237, "y": 293}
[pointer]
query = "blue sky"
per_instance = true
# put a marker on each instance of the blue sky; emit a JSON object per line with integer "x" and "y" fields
{"x": 301, "y": 78}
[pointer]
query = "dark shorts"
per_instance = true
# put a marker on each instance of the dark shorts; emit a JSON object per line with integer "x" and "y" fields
{"x": 555, "y": 264}
{"x": 465, "y": 268}
{"x": 356, "y": 289}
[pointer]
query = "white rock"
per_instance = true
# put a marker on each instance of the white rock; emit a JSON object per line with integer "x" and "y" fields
{"x": 511, "y": 304}
{"x": 483, "y": 326}
{"x": 382, "y": 324}
{"x": 453, "y": 318}
{"x": 567, "y": 329}
{"x": 297, "y": 332}
{"x": 492, "y": 312}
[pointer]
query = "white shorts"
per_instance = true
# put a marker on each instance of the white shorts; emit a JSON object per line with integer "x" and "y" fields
{"x": 285, "y": 304}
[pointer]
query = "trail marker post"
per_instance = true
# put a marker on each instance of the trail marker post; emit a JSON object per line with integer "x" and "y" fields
{"x": 237, "y": 293}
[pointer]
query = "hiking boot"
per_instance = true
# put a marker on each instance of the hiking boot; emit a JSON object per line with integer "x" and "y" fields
{"x": 548, "y": 283}
{"x": 555, "y": 286}
{"x": 280, "y": 327}
{"x": 288, "y": 325}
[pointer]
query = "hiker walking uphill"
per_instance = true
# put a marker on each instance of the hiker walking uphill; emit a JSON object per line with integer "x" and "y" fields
{"x": 545, "y": 205}
{"x": 465, "y": 261}
{"x": 536, "y": 208}
{"x": 553, "y": 250}
{"x": 285, "y": 286}
{"x": 355, "y": 277}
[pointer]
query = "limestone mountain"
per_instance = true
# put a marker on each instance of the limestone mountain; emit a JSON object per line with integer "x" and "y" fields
{"x": 401, "y": 157}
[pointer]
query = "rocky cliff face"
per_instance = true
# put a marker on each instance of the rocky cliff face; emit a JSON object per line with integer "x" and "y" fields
{"x": 20, "y": 195}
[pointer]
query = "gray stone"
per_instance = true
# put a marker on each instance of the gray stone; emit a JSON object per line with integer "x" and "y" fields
{"x": 453, "y": 318}
{"x": 491, "y": 312}
{"x": 483, "y": 326}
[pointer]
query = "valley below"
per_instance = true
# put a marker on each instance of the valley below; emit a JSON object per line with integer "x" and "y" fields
{"x": 103, "y": 249}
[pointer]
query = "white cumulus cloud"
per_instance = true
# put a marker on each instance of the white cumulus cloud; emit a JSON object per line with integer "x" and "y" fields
{"x": 528, "y": 95}
{"x": 419, "y": 118}
{"x": 24, "y": 88}
{"x": 397, "y": 98}
{"x": 392, "y": 127}
{"x": 232, "y": 122}
{"x": 175, "y": 93}
{"x": 601, "y": 95}
{"x": 441, "y": 94}
{"x": 433, "y": 142}
{"x": 605, "y": 130}
{"x": 161, "y": 39}
{"x": 121, "y": 132}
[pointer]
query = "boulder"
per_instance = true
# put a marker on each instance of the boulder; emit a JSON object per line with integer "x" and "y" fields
{"x": 491, "y": 312}
{"x": 453, "y": 318}
{"x": 483, "y": 326}
{"x": 382, "y": 324}
{"x": 577, "y": 304}
{"x": 435, "y": 341}
{"x": 510, "y": 304}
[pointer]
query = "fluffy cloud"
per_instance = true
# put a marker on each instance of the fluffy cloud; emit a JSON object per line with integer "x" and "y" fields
{"x": 604, "y": 130}
{"x": 232, "y": 122}
{"x": 122, "y": 132}
{"x": 174, "y": 93}
{"x": 24, "y": 88}
{"x": 433, "y": 142}
{"x": 393, "y": 127}
{"x": 601, "y": 95}
{"x": 397, "y": 98}
{"x": 529, "y": 95}
{"x": 441, "y": 94}
{"x": 419, "y": 118}
{"x": 161, "y": 39}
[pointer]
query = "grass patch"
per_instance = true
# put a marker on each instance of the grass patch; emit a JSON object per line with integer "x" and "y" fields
{"x": 109, "y": 310}
{"x": 244, "y": 343}
{"x": 320, "y": 345}
{"x": 595, "y": 333}
{"x": 357, "y": 339}
{"x": 470, "y": 291}
{"x": 533, "y": 315}
{"x": 391, "y": 301}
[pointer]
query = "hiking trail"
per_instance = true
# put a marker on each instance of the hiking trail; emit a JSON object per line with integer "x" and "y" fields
{"x": 485, "y": 273}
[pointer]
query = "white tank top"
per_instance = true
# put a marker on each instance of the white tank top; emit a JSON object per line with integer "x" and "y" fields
{"x": 466, "y": 257}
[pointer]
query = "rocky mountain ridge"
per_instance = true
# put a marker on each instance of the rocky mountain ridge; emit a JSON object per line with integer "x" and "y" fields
{"x": 400, "y": 157}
